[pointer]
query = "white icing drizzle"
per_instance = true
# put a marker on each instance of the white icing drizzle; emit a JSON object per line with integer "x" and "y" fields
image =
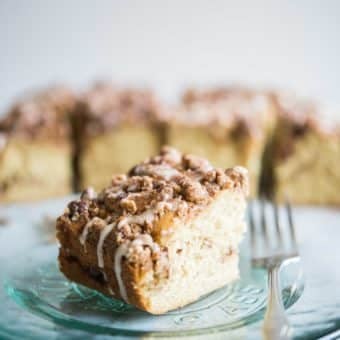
{"x": 243, "y": 171}
{"x": 172, "y": 206}
{"x": 166, "y": 172}
{"x": 165, "y": 205}
{"x": 89, "y": 224}
{"x": 103, "y": 234}
{"x": 120, "y": 252}
{"x": 110, "y": 290}
{"x": 223, "y": 110}
{"x": 146, "y": 216}
{"x": 163, "y": 171}
{"x": 105, "y": 276}
{"x": 107, "y": 286}
{"x": 206, "y": 166}
{"x": 123, "y": 250}
{"x": 117, "y": 193}
{"x": 144, "y": 240}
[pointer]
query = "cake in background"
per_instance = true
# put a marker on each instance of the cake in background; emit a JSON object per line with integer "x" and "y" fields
{"x": 287, "y": 141}
{"x": 36, "y": 147}
{"x": 115, "y": 128}
{"x": 304, "y": 156}
{"x": 226, "y": 125}
{"x": 151, "y": 235}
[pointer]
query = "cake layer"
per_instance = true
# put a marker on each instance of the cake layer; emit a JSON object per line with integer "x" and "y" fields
{"x": 35, "y": 170}
{"x": 115, "y": 152}
{"x": 172, "y": 221}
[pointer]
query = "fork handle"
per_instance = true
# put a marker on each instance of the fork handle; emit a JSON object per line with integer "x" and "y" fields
{"x": 275, "y": 325}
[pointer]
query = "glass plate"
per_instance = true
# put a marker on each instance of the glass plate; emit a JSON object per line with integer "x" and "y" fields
{"x": 35, "y": 283}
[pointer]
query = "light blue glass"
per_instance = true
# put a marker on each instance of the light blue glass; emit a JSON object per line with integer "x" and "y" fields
{"x": 35, "y": 283}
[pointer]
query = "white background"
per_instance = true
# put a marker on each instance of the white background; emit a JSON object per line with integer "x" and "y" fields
{"x": 167, "y": 44}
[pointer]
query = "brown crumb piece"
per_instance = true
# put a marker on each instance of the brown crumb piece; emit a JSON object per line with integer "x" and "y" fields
{"x": 45, "y": 114}
{"x": 242, "y": 111}
{"x": 105, "y": 106}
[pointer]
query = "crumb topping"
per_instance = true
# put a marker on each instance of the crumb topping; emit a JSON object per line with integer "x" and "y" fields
{"x": 104, "y": 106}
{"x": 302, "y": 114}
{"x": 241, "y": 110}
{"x": 297, "y": 117}
{"x": 170, "y": 182}
{"x": 44, "y": 114}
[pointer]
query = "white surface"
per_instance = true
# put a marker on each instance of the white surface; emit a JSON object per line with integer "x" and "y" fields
{"x": 294, "y": 44}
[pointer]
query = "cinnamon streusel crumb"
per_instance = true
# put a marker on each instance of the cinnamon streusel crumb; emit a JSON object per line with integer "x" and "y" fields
{"x": 105, "y": 106}
{"x": 45, "y": 113}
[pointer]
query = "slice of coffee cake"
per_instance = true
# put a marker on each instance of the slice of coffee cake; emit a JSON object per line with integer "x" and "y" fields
{"x": 35, "y": 147}
{"x": 305, "y": 153}
{"x": 148, "y": 239}
{"x": 115, "y": 128}
{"x": 227, "y": 125}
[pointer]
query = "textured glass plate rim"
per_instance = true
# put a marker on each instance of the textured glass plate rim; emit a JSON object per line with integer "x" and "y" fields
{"x": 64, "y": 320}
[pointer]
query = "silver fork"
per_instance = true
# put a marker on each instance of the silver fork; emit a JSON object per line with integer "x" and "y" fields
{"x": 270, "y": 249}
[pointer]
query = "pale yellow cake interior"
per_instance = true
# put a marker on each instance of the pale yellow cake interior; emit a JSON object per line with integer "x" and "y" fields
{"x": 115, "y": 152}
{"x": 34, "y": 170}
{"x": 310, "y": 175}
{"x": 203, "y": 250}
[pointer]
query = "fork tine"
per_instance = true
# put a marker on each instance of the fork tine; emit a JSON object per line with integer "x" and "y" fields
{"x": 253, "y": 238}
{"x": 264, "y": 225}
{"x": 277, "y": 225}
{"x": 291, "y": 225}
